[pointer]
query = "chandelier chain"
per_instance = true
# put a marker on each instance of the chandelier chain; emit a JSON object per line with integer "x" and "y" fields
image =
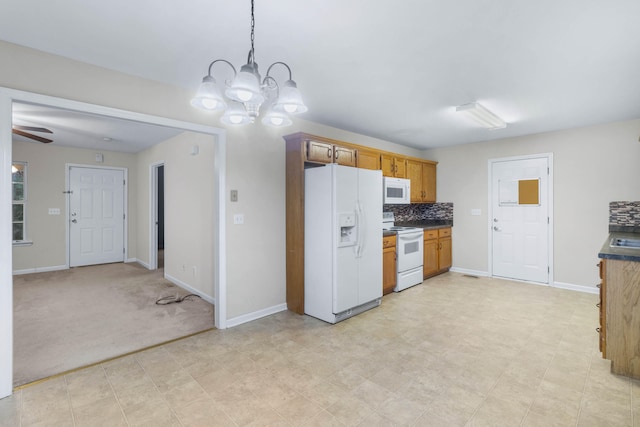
{"x": 253, "y": 23}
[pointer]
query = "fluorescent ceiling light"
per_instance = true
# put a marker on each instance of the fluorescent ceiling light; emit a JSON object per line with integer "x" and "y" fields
{"x": 481, "y": 115}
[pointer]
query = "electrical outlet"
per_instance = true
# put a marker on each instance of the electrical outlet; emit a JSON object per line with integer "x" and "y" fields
{"x": 238, "y": 219}
{"x": 54, "y": 211}
{"x": 476, "y": 212}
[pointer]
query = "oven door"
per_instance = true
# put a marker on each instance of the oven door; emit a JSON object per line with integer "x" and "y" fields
{"x": 410, "y": 249}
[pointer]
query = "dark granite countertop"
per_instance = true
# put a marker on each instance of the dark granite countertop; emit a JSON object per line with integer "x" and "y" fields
{"x": 428, "y": 224}
{"x": 622, "y": 254}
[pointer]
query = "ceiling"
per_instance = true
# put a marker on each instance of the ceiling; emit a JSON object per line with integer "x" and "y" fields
{"x": 77, "y": 129}
{"x": 391, "y": 70}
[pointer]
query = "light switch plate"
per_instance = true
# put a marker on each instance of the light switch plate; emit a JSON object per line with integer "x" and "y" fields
{"x": 238, "y": 219}
{"x": 54, "y": 211}
{"x": 476, "y": 212}
{"x": 234, "y": 195}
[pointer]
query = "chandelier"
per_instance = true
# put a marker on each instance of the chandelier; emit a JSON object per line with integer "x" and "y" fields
{"x": 247, "y": 92}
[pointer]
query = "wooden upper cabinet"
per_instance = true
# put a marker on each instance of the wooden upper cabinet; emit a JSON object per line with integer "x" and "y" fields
{"x": 344, "y": 156}
{"x": 321, "y": 152}
{"x": 393, "y": 166}
{"x": 423, "y": 181}
{"x": 429, "y": 182}
{"x": 368, "y": 159}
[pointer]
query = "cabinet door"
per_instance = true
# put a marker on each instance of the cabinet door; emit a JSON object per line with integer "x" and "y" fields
{"x": 386, "y": 164}
{"x": 368, "y": 159}
{"x": 414, "y": 173}
{"x": 444, "y": 253}
{"x": 400, "y": 167}
{"x": 319, "y": 152}
{"x": 603, "y": 308}
{"x": 429, "y": 182}
{"x": 430, "y": 266}
{"x": 344, "y": 156}
{"x": 388, "y": 270}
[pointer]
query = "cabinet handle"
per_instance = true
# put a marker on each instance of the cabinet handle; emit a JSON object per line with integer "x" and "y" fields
{"x": 598, "y": 305}
{"x": 598, "y": 264}
{"x": 329, "y": 152}
{"x": 336, "y": 154}
{"x": 599, "y": 285}
{"x": 598, "y": 330}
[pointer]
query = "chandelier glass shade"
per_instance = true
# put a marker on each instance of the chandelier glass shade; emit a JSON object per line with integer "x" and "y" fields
{"x": 247, "y": 91}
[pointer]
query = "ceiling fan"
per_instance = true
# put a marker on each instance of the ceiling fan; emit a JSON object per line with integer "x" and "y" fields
{"x": 22, "y": 131}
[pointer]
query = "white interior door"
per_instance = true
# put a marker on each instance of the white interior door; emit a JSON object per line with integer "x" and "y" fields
{"x": 520, "y": 219}
{"x": 96, "y": 216}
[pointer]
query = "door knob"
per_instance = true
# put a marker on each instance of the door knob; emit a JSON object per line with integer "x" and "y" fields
{"x": 497, "y": 228}
{"x": 74, "y": 220}
{"x": 495, "y": 219}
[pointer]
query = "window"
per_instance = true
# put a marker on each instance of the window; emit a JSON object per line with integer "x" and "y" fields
{"x": 19, "y": 200}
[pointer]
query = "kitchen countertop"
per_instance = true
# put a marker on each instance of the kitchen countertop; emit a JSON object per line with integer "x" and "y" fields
{"x": 427, "y": 224}
{"x": 622, "y": 254}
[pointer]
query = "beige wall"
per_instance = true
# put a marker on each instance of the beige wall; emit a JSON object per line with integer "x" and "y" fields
{"x": 592, "y": 167}
{"x": 189, "y": 215}
{"x": 255, "y": 161}
{"x": 45, "y": 185}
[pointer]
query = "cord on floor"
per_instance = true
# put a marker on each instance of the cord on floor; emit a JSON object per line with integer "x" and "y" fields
{"x": 174, "y": 299}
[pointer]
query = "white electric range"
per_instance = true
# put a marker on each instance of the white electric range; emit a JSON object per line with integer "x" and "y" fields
{"x": 409, "y": 252}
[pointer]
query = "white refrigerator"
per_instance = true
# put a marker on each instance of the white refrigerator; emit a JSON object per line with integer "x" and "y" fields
{"x": 342, "y": 241}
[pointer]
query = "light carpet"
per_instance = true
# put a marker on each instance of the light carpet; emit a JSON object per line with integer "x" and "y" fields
{"x": 72, "y": 318}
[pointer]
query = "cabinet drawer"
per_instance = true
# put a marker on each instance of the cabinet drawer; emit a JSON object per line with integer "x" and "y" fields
{"x": 443, "y": 232}
{"x": 430, "y": 234}
{"x": 389, "y": 242}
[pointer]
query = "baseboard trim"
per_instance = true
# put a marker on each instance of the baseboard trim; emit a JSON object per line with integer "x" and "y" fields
{"x": 560, "y": 285}
{"x": 40, "y": 269}
{"x": 186, "y": 287}
{"x": 139, "y": 261}
{"x": 470, "y": 272}
{"x": 578, "y": 288}
{"x": 239, "y": 320}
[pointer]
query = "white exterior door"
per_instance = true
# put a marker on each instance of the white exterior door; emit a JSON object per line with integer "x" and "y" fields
{"x": 96, "y": 216}
{"x": 520, "y": 219}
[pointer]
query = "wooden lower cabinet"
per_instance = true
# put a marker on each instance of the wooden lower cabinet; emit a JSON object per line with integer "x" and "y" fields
{"x": 437, "y": 251}
{"x": 388, "y": 264}
{"x": 602, "y": 305}
{"x": 620, "y": 323}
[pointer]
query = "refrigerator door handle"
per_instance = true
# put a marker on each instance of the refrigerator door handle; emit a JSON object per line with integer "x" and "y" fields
{"x": 359, "y": 224}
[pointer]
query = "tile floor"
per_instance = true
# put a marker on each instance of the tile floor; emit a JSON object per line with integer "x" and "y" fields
{"x": 453, "y": 351}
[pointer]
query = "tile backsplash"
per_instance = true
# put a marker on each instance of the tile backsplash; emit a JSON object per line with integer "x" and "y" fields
{"x": 624, "y": 214}
{"x": 421, "y": 211}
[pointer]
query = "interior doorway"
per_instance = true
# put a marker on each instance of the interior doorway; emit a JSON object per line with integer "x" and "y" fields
{"x": 7, "y": 98}
{"x": 520, "y": 223}
{"x": 156, "y": 241}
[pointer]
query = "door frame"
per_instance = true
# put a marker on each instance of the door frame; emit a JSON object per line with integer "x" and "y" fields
{"x": 7, "y": 97}
{"x": 153, "y": 214}
{"x": 125, "y": 207}
{"x": 490, "y": 234}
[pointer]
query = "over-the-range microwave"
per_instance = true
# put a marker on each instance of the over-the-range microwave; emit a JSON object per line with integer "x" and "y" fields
{"x": 396, "y": 191}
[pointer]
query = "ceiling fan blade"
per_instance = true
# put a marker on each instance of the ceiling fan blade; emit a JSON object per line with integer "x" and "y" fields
{"x": 32, "y": 136}
{"x": 32, "y": 128}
